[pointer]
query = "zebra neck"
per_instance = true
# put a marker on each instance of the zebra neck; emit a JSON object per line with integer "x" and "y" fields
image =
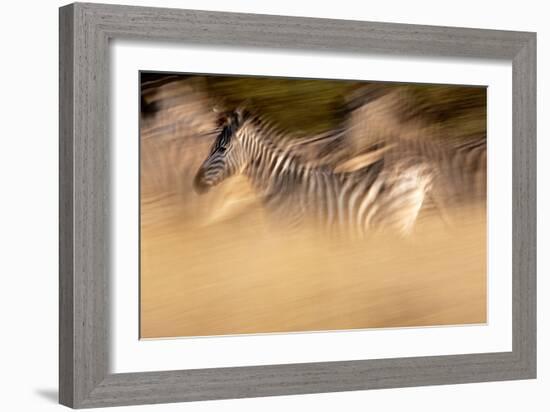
{"x": 269, "y": 167}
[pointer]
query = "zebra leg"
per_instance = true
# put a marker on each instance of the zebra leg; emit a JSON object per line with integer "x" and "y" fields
{"x": 284, "y": 215}
{"x": 404, "y": 219}
{"x": 435, "y": 201}
{"x": 403, "y": 198}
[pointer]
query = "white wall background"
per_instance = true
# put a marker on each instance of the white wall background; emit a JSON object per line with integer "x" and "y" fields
{"x": 28, "y": 214}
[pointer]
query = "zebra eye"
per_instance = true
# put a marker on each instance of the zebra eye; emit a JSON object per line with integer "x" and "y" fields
{"x": 221, "y": 149}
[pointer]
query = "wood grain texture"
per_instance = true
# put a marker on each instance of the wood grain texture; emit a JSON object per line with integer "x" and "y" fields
{"x": 524, "y": 208}
{"x": 85, "y": 31}
{"x": 66, "y": 229}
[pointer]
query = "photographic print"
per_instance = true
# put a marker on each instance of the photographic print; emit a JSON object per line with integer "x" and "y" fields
{"x": 278, "y": 205}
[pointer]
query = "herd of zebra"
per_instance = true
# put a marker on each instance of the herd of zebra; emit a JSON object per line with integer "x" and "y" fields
{"x": 389, "y": 190}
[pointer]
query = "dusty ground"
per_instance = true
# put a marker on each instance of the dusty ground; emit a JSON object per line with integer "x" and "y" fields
{"x": 242, "y": 276}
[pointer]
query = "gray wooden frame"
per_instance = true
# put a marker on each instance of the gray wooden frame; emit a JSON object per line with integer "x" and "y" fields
{"x": 85, "y": 31}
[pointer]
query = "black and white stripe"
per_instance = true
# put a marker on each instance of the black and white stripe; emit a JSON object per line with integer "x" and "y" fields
{"x": 297, "y": 190}
{"x": 460, "y": 170}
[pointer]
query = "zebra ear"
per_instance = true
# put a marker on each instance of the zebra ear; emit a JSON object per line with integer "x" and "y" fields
{"x": 241, "y": 112}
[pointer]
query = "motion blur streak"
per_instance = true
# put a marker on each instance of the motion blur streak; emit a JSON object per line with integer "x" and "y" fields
{"x": 222, "y": 262}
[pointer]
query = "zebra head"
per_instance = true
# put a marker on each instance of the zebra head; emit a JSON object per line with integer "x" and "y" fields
{"x": 226, "y": 156}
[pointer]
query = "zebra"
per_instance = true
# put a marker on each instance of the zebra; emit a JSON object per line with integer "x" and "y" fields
{"x": 464, "y": 172}
{"x": 459, "y": 171}
{"x": 298, "y": 190}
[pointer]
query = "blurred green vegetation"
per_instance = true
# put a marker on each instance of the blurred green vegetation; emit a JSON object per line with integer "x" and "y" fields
{"x": 312, "y": 105}
{"x": 305, "y": 106}
{"x": 459, "y": 111}
{"x": 299, "y": 105}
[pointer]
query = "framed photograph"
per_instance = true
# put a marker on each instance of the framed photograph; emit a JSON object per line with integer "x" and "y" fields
{"x": 256, "y": 205}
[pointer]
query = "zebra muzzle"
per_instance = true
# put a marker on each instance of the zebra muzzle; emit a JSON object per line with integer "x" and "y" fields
{"x": 199, "y": 183}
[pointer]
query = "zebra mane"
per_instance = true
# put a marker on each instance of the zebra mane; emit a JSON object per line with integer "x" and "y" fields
{"x": 291, "y": 143}
{"x": 280, "y": 142}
